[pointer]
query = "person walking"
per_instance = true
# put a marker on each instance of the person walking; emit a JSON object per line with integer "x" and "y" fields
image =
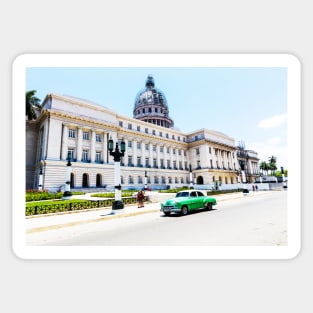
{"x": 140, "y": 198}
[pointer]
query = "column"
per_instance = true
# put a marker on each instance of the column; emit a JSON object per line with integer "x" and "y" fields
{"x": 93, "y": 146}
{"x": 64, "y": 142}
{"x": 134, "y": 148}
{"x": 105, "y": 149}
{"x": 158, "y": 156}
{"x": 151, "y": 154}
{"x": 79, "y": 144}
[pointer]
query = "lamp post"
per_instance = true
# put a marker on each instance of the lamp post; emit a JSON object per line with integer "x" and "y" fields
{"x": 146, "y": 181}
{"x": 190, "y": 177}
{"x": 67, "y": 192}
{"x": 40, "y": 179}
{"x": 117, "y": 155}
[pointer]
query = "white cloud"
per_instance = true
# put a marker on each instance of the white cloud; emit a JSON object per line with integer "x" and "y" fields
{"x": 266, "y": 149}
{"x": 274, "y": 121}
{"x": 274, "y": 141}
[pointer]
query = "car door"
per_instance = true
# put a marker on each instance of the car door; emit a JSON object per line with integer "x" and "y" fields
{"x": 200, "y": 200}
{"x": 194, "y": 200}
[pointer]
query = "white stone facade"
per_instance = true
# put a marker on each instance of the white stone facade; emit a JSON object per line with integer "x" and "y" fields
{"x": 165, "y": 155}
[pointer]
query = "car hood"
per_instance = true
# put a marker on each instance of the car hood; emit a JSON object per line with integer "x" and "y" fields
{"x": 174, "y": 200}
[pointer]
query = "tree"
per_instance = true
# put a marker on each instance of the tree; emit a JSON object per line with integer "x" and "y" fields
{"x": 264, "y": 167}
{"x": 272, "y": 164}
{"x": 31, "y": 103}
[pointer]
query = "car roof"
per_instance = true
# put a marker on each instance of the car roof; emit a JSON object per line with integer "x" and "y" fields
{"x": 190, "y": 190}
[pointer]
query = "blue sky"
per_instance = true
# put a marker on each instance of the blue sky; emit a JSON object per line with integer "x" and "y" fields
{"x": 248, "y": 104}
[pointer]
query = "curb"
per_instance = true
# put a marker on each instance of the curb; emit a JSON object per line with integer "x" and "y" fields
{"x": 105, "y": 218}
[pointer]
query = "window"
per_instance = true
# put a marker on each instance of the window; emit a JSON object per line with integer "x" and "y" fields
{"x": 161, "y": 135}
{"x": 147, "y": 162}
{"x": 162, "y": 163}
{"x": 155, "y": 163}
{"x": 166, "y": 135}
{"x": 163, "y": 180}
{"x": 98, "y": 157}
{"x": 98, "y": 138}
{"x": 161, "y": 149}
{"x": 139, "y": 180}
{"x": 86, "y": 135}
{"x": 197, "y": 151}
{"x": 153, "y": 132}
{"x": 130, "y": 179}
{"x": 210, "y": 150}
{"x": 138, "y": 128}
{"x": 168, "y": 163}
{"x": 211, "y": 163}
{"x": 174, "y": 165}
{"x": 70, "y": 153}
{"x": 154, "y": 147}
{"x": 156, "y": 179}
{"x": 130, "y": 160}
{"x": 120, "y": 123}
{"x": 174, "y": 151}
{"x": 168, "y": 150}
{"x": 85, "y": 156}
{"x": 179, "y": 152}
{"x": 146, "y": 130}
{"x": 173, "y": 137}
{"x": 138, "y": 161}
{"x": 129, "y": 144}
{"x": 147, "y": 147}
{"x": 178, "y": 138}
{"x": 71, "y": 133}
{"x": 130, "y": 126}
{"x": 138, "y": 145}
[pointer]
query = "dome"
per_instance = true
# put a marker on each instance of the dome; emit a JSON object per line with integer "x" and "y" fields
{"x": 151, "y": 105}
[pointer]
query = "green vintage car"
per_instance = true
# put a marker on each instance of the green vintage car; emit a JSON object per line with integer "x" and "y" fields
{"x": 186, "y": 201}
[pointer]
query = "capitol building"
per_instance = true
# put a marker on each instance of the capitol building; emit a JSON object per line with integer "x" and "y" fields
{"x": 156, "y": 151}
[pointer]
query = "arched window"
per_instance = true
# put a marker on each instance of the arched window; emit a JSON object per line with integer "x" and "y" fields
{"x": 72, "y": 180}
{"x": 98, "y": 180}
{"x": 199, "y": 180}
{"x": 85, "y": 180}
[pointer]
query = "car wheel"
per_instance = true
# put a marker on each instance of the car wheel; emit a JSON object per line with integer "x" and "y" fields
{"x": 208, "y": 206}
{"x": 184, "y": 210}
{"x": 167, "y": 213}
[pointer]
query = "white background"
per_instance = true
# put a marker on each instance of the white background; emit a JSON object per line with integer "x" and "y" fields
{"x": 154, "y": 27}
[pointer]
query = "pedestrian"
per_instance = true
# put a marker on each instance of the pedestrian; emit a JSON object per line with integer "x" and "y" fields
{"x": 140, "y": 198}
{"x": 253, "y": 188}
{"x": 256, "y": 187}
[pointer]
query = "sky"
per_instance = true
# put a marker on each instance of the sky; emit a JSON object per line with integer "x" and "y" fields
{"x": 248, "y": 104}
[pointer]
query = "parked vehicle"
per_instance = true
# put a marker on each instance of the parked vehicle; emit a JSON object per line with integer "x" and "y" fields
{"x": 187, "y": 201}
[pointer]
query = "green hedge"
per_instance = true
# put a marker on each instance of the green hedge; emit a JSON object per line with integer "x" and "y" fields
{"x": 56, "y": 206}
{"x": 37, "y": 195}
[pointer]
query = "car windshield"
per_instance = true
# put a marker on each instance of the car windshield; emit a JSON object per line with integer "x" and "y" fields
{"x": 182, "y": 194}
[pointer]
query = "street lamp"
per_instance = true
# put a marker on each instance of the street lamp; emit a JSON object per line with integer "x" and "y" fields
{"x": 117, "y": 155}
{"x": 190, "y": 177}
{"x": 67, "y": 191}
{"x": 40, "y": 179}
{"x": 146, "y": 181}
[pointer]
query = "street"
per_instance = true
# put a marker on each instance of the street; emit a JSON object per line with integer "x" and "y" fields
{"x": 259, "y": 220}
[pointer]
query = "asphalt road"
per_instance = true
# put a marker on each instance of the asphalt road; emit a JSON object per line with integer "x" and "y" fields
{"x": 253, "y": 221}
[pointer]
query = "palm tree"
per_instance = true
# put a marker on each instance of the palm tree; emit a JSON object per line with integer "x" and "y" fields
{"x": 272, "y": 164}
{"x": 264, "y": 167}
{"x": 31, "y": 102}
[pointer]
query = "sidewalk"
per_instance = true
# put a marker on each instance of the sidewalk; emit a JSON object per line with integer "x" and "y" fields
{"x": 53, "y": 221}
